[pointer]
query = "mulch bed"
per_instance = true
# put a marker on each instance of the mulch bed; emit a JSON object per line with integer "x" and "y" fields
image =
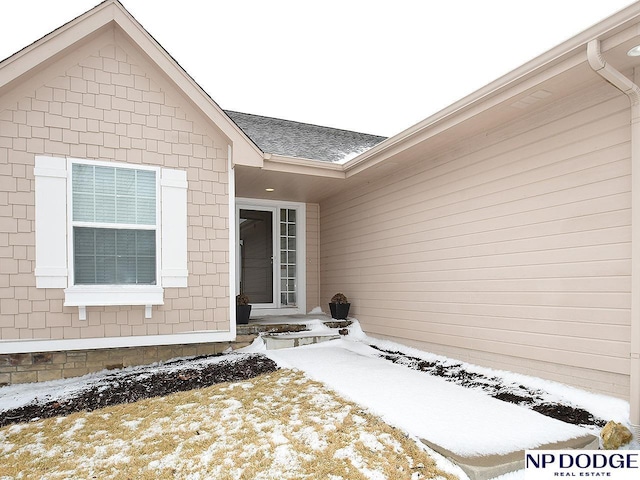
{"x": 146, "y": 382}
{"x": 181, "y": 375}
{"x": 495, "y": 387}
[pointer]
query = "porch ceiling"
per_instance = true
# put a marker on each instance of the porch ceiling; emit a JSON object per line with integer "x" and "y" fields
{"x": 298, "y": 180}
{"x": 288, "y": 186}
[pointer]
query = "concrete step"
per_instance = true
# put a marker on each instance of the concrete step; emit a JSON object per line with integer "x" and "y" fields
{"x": 287, "y": 324}
{"x": 275, "y": 341}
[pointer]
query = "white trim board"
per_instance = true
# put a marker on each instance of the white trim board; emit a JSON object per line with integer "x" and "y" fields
{"x": 232, "y": 239}
{"x": 45, "y": 345}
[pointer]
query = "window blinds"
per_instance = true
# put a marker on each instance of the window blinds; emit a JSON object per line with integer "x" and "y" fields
{"x": 120, "y": 197}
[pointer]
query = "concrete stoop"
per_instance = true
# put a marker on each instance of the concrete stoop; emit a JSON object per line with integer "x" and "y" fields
{"x": 491, "y": 466}
{"x": 288, "y": 340}
{"x": 286, "y": 331}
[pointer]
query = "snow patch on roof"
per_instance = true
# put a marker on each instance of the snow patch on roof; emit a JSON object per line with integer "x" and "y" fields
{"x": 352, "y": 155}
{"x": 303, "y": 140}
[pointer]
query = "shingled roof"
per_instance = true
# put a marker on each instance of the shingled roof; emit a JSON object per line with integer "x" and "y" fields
{"x": 303, "y": 140}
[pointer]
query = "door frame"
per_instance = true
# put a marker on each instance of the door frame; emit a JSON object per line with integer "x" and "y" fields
{"x": 301, "y": 254}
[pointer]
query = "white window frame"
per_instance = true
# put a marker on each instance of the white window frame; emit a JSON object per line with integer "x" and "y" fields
{"x": 301, "y": 254}
{"x": 54, "y": 236}
{"x": 51, "y": 267}
{"x": 83, "y": 296}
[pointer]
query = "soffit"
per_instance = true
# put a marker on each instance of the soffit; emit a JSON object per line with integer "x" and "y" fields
{"x": 252, "y": 182}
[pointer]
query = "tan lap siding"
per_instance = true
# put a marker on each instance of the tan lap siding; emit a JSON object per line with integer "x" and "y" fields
{"x": 512, "y": 249}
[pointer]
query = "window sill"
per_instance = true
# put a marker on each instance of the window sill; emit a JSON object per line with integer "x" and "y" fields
{"x": 83, "y": 296}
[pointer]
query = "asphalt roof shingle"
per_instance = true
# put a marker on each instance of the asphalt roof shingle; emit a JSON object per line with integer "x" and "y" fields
{"x": 303, "y": 140}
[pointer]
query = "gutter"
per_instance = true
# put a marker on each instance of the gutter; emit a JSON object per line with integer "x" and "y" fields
{"x": 303, "y": 166}
{"x": 631, "y": 90}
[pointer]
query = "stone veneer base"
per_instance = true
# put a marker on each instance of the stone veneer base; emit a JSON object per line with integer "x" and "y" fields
{"x": 40, "y": 367}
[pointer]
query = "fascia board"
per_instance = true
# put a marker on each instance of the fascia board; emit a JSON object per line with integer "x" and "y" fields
{"x": 281, "y": 163}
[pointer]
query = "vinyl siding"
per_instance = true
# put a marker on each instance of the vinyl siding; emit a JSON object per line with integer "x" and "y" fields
{"x": 511, "y": 249}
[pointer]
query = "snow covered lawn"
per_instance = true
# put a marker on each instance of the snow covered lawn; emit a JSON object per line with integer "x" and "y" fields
{"x": 275, "y": 426}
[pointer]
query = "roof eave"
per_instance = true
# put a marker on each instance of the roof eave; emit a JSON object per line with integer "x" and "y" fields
{"x": 285, "y": 164}
{"x": 53, "y": 43}
{"x": 563, "y": 56}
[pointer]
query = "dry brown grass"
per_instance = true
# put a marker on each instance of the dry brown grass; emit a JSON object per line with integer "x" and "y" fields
{"x": 276, "y": 426}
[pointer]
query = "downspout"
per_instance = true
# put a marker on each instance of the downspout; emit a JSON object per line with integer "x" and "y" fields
{"x": 629, "y": 88}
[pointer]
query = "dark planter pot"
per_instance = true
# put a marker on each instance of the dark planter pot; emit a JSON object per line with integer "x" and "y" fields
{"x": 339, "y": 311}
{"x": 242, "y": 314}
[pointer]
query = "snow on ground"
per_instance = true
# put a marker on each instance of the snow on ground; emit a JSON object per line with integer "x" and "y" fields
{"x": 21, "y": 394}
{"x": 462, "y": 420}
{"x": 459, "y": 419}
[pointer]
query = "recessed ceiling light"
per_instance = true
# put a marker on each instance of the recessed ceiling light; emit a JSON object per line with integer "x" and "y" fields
{"x": 634, "y": 52}
{"x": 269, "y": 189}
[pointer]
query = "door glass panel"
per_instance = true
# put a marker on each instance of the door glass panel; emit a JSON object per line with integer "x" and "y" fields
{"x": 256, "y": 255}
{"x": 288, "y": 250}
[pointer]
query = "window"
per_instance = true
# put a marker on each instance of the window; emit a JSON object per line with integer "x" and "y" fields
{"x": 114, "y": 225}
{"x": 109, "y": 233}
{"x": 288, "y": 257}
{"x": 104, "y": 256}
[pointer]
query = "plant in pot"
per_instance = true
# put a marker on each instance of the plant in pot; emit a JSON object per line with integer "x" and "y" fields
{"x": 243, "y": 309}
{"x": 339, "y": 306}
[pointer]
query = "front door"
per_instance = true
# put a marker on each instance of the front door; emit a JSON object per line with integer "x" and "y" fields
{"x": 256, "y": 255}
{"x": 270, "y": 244}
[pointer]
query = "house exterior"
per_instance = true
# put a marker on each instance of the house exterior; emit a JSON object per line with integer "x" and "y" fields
{"x": 502, "y": 230}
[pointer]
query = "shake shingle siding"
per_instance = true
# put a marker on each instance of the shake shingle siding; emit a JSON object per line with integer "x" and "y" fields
{"x": 302, "y": 140}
